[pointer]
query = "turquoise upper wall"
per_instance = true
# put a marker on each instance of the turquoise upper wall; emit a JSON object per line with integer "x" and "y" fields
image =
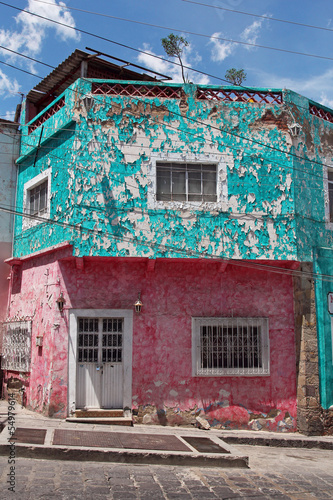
{"x": 103, "y": 177}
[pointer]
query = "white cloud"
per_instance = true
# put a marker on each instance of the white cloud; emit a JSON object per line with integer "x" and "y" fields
{"x": 317, "y": 87}
{"x": 220, "y": 50}
{"x": 223, "y": 49}
{"x": 8, "y": 85}
{"x": 33, "y": 25}
{"x": 251, "y": 33}
{"x": 167, "y": 68}
{"x": 326, "y": 101}
{"x": 29, "y": 37}
{"x": 10, "y": 115}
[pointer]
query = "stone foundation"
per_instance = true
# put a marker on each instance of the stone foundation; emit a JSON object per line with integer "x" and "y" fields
{"x": 311, "y": 418}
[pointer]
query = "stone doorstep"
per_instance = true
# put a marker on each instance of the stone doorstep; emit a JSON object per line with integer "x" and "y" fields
{"x": 101, "y": 416}
{"x": 126, "y": 421}
{"x": 99, "y": 413}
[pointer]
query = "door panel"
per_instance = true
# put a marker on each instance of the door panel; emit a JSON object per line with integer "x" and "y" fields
{"x": 99, "y": 363}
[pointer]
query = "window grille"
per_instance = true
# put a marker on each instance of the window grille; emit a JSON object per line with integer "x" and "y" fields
{"x": 100, "y": 340}
{"x": 186, "y": 182}
{"x": 17, "y": 346}
{"x": 38, "y": 199}
{"x": 230, "y": 346}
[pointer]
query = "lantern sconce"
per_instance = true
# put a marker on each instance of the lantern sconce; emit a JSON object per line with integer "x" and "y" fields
{"x": 295, "y": 129}
{"x": 138, "y": 304}
{"x": 61, "y": 302}
{"x": 88, "y": 102}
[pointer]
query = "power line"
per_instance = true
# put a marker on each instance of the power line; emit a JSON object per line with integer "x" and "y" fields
{"x": 22, "y": 70}
{"x": 202, "y": 34}
{"x": 236, "y": 135}
{"x": 24, "y": 55}
{"x": 182, "y": 251}
{"x": 268, "y": 18}
{"x": 195, "y": 135}
{"x": 162, "y": 58}
{"x": 112, "y": 41}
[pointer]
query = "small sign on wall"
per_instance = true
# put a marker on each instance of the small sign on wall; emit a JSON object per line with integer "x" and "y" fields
{"x": 330, "y": 302}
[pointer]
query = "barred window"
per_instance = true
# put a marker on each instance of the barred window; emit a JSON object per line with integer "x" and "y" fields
{"x": 230, "y": 346}
{"x": 17, "y": 346}
{"x": 186, "y": 182}
{"x": 38, "y": 199}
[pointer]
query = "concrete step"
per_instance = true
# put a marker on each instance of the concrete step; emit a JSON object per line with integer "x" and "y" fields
{"x": 99, "y": 413}
{"x": 126, "y": 421}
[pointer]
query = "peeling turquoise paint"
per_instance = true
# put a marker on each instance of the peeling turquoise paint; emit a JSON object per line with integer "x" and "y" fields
{"x": 275, "y": 206}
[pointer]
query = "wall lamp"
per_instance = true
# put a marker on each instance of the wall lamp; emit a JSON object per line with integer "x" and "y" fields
{"x": 61, "y": 302}
{"x": 295, "y": 129}
{"x": 138, "y": 304}
{"x": 88, "y": 102}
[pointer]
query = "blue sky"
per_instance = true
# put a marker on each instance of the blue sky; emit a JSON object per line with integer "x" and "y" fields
{"x": 211, "y": 54}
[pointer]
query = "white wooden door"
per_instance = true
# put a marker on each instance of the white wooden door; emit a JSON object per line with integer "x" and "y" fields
{"x": 99, "y": 376}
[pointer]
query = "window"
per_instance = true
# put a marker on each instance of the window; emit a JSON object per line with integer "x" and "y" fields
{"x": 186, "y": 182}
{"x": 36, "y": 199}
{"x": 230, "y": 346}
{"x": 17, "y": 346}
{"x": 185, "y": 179}
{"x": 330, "y": 194}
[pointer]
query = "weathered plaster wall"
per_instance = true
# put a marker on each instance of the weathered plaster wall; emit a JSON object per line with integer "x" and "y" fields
{"x": 324, "y": 284}
{"x": 171, "y": 293}
{"x": 312, "y": 152}
{"x": 35, "y": 287}
{"x": 102, "y": 170}
{"x": 9, "y": 148}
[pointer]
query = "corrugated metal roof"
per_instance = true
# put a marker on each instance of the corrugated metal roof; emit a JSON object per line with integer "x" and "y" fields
{"x": 70, "y": 70}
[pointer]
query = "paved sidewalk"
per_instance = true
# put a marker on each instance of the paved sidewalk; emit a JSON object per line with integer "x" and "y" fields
{"x": 37, "y": 436}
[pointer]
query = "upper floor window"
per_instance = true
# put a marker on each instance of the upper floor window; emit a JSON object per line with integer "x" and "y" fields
{"x": 36, "y": 199}
{"x": 186, "y": 182}
{"x": 182, "y": 180}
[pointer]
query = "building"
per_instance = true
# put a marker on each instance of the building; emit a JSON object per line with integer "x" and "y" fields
{"x": 206, "y": 208}
{"x": 9, "y": 149}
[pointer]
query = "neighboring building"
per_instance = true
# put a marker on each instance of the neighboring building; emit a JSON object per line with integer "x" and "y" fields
{"x": 207, "y": 204}
{"x": 9, "y": 151}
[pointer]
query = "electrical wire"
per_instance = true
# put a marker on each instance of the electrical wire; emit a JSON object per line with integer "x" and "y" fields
{"x": 194, "y": 135}
{"x": 163, "y": 247}
{"x": 162, "y": 58}
{"x": 22, "y": 70}
{"x": 218, "y": 38}
{"x": 268, "y": 18}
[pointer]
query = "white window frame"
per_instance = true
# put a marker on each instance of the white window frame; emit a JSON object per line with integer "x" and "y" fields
{"x": 199, "y": 371}
{"x": 221, "y": 180}
{"x": 329, "y": 223}
{"x": 29, "y": 222}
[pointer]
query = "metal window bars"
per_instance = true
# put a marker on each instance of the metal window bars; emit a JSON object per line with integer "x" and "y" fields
{"x": 16, "y": 346}
{"x": 232, "y": 346}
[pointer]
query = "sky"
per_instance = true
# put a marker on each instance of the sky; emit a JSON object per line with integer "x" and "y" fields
{"x": 274, "y": 54}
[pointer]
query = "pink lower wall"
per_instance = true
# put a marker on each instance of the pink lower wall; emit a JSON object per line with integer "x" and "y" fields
{"x": 163, "y": 388}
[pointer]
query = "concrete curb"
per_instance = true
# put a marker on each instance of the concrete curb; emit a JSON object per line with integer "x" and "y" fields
{"x": 283, "y": 442}
{"x": 127, "y": 456}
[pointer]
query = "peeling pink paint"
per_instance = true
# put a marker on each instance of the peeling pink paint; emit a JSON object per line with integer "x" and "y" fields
{"x": 173, "y": 293}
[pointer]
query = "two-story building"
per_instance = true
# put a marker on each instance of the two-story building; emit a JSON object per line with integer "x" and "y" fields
{"x": 172, "y": 251}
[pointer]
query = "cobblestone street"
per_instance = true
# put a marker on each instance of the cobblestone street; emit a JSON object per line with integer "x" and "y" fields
{"x": 275, "y": 473}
